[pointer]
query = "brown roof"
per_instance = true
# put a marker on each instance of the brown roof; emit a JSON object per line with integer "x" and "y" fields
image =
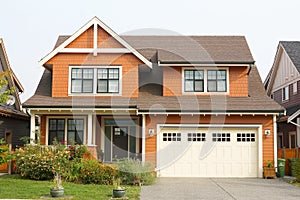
{"x": 190, "y": 49}
{"x": 150, "y": 99}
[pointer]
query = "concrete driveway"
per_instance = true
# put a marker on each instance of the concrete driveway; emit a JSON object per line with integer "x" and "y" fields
{"x": 216, "y": 188}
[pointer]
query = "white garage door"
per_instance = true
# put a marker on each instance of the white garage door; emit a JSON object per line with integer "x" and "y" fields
{"x": 207, "y": 152}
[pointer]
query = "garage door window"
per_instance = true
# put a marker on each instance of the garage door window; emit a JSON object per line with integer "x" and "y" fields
{"x": 196, "y": 137}
{"x": 221, "y": 137}
{"x": 246, "y": 137}
{"x": 172, "y": 137}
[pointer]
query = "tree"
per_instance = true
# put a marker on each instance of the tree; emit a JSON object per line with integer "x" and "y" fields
{"x": 4, "y": 90}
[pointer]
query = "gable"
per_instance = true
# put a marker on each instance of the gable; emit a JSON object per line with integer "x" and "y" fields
{"x": 93, "y": 38}
{"x": 285, "y": 73}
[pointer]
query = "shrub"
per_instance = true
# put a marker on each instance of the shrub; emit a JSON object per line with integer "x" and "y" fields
{"x": 5, "y": 156}
{"x": 297, "y": 170}
{"x": 41, "y": 162}
{"x": 97, "y": 173}
{"x": 133, "y": 171}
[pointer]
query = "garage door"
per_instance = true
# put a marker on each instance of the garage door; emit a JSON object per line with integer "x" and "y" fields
{"x": 207, "y": 152}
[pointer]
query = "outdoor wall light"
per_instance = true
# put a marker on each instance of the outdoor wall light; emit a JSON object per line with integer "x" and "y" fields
{"x": 267, "y": 132}
{"x": 151, "y": 132}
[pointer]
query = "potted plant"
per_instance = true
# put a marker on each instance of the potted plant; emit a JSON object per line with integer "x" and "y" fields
{"x": 118, "y": 191}
{"x": 269, "y": 170}
{"x": 57, "y": 189}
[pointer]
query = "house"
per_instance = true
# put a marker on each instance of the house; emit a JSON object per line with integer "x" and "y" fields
{"x": 193, "y": 106}
{"x": 283, "y": 85}
{"x": 14, "y": 123}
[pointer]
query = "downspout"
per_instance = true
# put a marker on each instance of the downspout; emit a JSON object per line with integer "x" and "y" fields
{"x": 275, "y": 140}
{"x": 143, "y": 138}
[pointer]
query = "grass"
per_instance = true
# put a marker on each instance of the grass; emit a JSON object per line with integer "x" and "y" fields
{"x": 14, "y": 187}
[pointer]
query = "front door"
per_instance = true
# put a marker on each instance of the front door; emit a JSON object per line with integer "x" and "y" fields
{"x": 120, "y": 142}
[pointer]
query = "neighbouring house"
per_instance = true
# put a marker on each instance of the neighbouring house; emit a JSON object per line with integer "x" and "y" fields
{"x": 283, "y": 85}
{"x": 14, "y": 123}
{"x": 194, "y": 106}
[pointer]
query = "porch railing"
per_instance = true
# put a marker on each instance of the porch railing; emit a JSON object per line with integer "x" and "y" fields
{"x": 287, "y": 153}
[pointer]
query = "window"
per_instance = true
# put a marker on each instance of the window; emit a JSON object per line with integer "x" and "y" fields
{"x": 216, "y": 80}
{"x": 66, "y": 131}
{"x": 193, "y": 81}
{"x": 172, "y": 137}
{"x": 82, "y": 80}
{"x": 75, "y": 130}
{"x": 295, "y": 88}
{"x": 56, "y": 130}
{"x": 107, "y": 80}
{"x": 285, "y": 93}
{"x": 221, "y": 137}
{"x": 246, "y": 137}
{"x": 199, "y": 137}
{"x": 95, "y": 80}
{"x": 206, "y": 80}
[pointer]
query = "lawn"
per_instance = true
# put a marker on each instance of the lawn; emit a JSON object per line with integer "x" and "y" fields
{"x": 14, "y": 187}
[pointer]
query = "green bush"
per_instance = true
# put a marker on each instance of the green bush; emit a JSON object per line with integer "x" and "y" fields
{"x": 5, "y": 156}
{"x": 41, "y": 162}
{"x": 297, "y": 170}
{"x": 133, "y": 171}
{"x": 97, "y": 173}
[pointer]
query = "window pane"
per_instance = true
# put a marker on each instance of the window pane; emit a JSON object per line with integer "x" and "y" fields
{"x": 221, "y": 86}
{"x": 102, "y": 86}
{"x": 199, "y": 86}
{"x": 79, "y": 124}
{"x": 79, "y": 137}
{"x": 76, "y": 73}
{"x": 102, "y": 73}
{"x": 71, "y": 124}
{"x": 52, "y": 124}
{"x": 199, "y": 75}
{"x": 87, "y": 86}
{"x": 222, "y": 74}
{"x": 188, "y": 74}
{"x": 211, "y": 74}
{"x": 189, "y": 86}
{"x": 113, "y": 73}
{"x": 113, "y": 86}
{"x": 71, "y": 136}
{"x": 76, "y": 85}
{"x": 88, "y": 73}
{"x": 60, "y": 124}
{"x": 211, "y": 86}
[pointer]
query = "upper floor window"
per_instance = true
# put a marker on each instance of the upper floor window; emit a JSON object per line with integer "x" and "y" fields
{"x": 205, "y": 80}
{"x": 295, "y": 88}
{"x": 285, "y": 93}
{"x": 95, "y": 80}
{"x": 193, "y": 80}
{"x": 216, "y": 80}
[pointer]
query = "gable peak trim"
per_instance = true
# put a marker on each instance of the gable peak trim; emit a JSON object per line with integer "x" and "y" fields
{"x": 95, "y": 22}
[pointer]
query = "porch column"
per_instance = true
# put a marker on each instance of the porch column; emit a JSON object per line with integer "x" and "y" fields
{"x": 90, "y": 130}
{"x": 143, "y": 138}
{"x": 32, "y": 127}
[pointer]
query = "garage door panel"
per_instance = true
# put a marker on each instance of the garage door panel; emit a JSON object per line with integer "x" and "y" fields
{"x": 203, "y": 152}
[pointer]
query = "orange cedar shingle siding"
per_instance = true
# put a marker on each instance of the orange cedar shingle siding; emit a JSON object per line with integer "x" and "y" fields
{"x": 61, "y": 62}
{"x": 85, "y": 40}
{"x": 43, "y": 130}
{"x": 238, "y": 81}
{"x": 266, "y": 121}
{"x": 104, "y": 40}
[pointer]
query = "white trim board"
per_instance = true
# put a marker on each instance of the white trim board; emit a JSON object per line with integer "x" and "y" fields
{"x": 94, "y": 22}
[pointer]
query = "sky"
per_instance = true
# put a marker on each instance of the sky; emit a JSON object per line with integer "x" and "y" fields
{"x": 30, "y": 28}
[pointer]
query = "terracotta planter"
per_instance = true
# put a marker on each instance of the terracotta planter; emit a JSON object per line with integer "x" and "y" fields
{"x": 269, "y": 172}
{"x": 118, "y": 193}
{"x": 57, "y": 192}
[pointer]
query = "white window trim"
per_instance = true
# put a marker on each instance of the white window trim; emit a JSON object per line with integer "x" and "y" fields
{"x": 66, "y": 126}
{"x": 94, "y": 93}
{"x": 283, "y": 93}
{"x": 295, "y": 88}
{"x": 293, "y": 133}
{"x": 278, "y": 136}
{"x": 205, "y": 69}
